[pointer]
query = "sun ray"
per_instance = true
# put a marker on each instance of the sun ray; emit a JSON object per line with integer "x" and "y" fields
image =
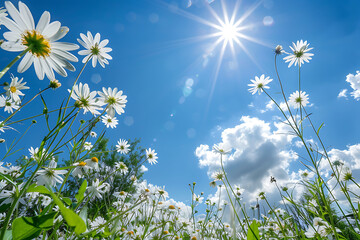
{"x": 247, "y": 13}
{"x": 228, "y": 32}
{"x": 216, "y": 74}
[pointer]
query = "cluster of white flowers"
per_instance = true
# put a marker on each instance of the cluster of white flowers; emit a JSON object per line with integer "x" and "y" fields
{"x": 41, "y": 48}
{"x": 299, "y": 55}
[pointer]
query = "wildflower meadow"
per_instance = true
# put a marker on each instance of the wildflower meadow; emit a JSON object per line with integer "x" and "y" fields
{"x": 76, "y": 159}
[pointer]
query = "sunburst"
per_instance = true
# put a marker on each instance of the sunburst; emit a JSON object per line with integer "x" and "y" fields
{"x": 229, "y": 31}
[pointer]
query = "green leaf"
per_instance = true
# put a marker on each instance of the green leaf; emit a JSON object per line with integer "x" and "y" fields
{"x": 319, "y": 129}
{"x": 8, "y": 235}
{"x": 39, "y": 189}
{"x": 31, "y": 227}
{"x": 72, "y": 219}
{"x": 67, "y": 201}
{"x": 80, "y": 195}
{"x": 83, "y": 213}
{"x": 253, "y": 232}
{"x": 7, "y": 178}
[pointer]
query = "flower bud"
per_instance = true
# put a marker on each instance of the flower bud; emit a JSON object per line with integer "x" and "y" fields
{"x": 54, "y": 84}
{"x": 278, "y": 50}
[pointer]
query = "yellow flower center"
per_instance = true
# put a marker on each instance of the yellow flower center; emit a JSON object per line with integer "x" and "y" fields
{"x": 122, "y": 193}
{"x": 166, "y": 232}
{"x": 37, "y": 44}
{"x": 147, "y": 190}
{"x": 95, "y": 159}
{"x": 13, "y": 89}
{"x": 172, "y": 207}
{"x": 82, "y": 164}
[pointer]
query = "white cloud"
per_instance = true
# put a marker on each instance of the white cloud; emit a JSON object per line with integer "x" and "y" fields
{"x": 143, "y": 168}
{"x": 350, "y": 157}
{"x": 269, "y": 107}
{"x": 354, "y": 81}
{"x": 259, "y": 152}
{"x": 342, "y": 93}
{"x": 262, "y": 149}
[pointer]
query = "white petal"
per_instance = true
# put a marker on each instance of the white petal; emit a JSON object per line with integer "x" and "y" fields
{"x": 11, "y": 25}
{"x": 51, "y": 29}
{"x": 57, "y": 67}
{"x": 26, "y": 16}
{"x": 65, "y": 46}
{"x": 60, "y": 34}
{"x": 25, "y": 63}
{"x": 13, "y": 12}
{"x": 38, "y": 69}
{"x": 12, "y": 36}
{"x": 43, "y": 22}
{"x": 66, "y": 55}
{"x": 11, "y": 47}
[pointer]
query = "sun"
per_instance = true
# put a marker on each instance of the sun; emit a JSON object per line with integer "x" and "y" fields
{"x": 228, "y": 32}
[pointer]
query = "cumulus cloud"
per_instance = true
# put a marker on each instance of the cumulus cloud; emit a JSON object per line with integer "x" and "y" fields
{"x": 350, "y": 158}
{"x": 354, "y": 81}
{"x": 269, "y": 106}
{"x": 260, "y": 151}
{"x": 263, "y": 149}
{"x": 342, "y": 93}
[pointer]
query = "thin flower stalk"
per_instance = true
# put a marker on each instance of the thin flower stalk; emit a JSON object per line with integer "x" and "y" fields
{"x": 2, "y": 73}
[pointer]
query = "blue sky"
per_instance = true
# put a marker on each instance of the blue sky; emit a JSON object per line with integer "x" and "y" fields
{"x": 153, "y": 61}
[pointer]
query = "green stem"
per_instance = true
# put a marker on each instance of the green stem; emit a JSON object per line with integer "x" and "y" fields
{"x": 72, "y": 89}
{"x": 8, "y": 118}
{"x": 13, "y": 62}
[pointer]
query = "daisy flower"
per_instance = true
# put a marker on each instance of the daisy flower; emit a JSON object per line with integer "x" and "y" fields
{"x": 300, "y": 53}
{"x": 13, "y": 90}
{"x": 88, "y": 146}
{"x": 44, "y": 51}
{"x": 93, "y": 134}
{"x": 220, "y": 150}
{"x": 114, "y": 99}
{"x": 95, "y": 49}
{"x": 11, "y": 195}
{"x": 218, "y": 176}
{"x": 97, "y": 223}
{"x": 34, "y": 153}
{"x": 109, "y": 121}
{"x": 92, "y": 163}
{"x": 80, "y": 170}
{"x": 3, "y": 128}
{"x": 279, "y": 50}
{"x": 346, "y": 174}
{"x": 95, "y": 190}
{"x": 197, "y": 198}
{"x": 259, "y": 84}
{"x": 238, "y": 190}
{"x": 85, "y": 99}
{"x": 8, "y": 104}
{"x": 123, "y": 146}
{"x": 121, "y": 167}
{"x": 296, "y": 100}
{"x": 151, "y": 156}
{"x": 49, "y": 176}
